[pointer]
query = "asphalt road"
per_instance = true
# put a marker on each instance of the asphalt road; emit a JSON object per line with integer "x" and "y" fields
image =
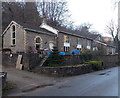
{"x": 100, "y": 83}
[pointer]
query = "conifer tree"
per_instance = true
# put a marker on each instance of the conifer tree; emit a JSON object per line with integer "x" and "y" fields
{"x": 55, "y": 58}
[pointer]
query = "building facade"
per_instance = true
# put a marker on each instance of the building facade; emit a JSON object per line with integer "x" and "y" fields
{"x": 21, "y": 37}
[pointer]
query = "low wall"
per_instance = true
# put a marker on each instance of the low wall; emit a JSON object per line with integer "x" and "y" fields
{"x": 8, "y": 61}
{"x": 32, "y": 60}
{"x": 108, "y": 60}
{"x": 65, "y": 71}
{"x": 71, "y": 60}
{"x": 29, "y": 60}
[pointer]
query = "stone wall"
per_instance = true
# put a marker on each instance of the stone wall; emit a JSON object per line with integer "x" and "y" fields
{"x": 65, "y": 71}
{"x": 71, "y": 60}
{"x": 76, "y": 68}
{"x": 33, "y": 60}
{"x": 108, "y": 60}
{"x": 8, "y": 61}
{"x": 29, "y": 60}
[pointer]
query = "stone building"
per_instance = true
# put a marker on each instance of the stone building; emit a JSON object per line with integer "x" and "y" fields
{"x": 69, "y": 40}
{"x": 20, "y": 37}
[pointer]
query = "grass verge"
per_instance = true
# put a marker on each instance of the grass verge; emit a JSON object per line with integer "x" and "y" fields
{"x": 8, "y": 86}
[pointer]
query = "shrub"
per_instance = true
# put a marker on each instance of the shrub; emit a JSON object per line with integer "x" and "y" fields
{"x": 86, "y": 55}
{"x": 96, "y": 65}
{"x": 54, "y": 59}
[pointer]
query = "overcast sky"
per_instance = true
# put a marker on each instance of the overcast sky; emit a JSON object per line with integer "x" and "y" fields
{"x": 96, "y": 12}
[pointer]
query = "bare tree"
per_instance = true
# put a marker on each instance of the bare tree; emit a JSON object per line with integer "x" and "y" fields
{"x": 84, "y": 27}
{"x": 115, "y": 3}
{"x": 112, "y": 29}
{"x": 54, "y": 11}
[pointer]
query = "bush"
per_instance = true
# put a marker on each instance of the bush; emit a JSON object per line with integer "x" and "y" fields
{"x": 96, "y": 65}
{"x": 54, "y": 59}
{"x": 86, "y": 55}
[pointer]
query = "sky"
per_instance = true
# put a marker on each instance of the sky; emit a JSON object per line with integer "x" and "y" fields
{"x": 96, "y": 12}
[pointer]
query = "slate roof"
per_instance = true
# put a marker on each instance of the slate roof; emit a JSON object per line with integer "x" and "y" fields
{"x": 36, "y": 29}
{"x": 87, "y": 35}
{"x": 112, "y": 44}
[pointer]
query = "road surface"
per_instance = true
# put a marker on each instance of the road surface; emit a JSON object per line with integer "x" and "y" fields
{"x": 100, "y": 83}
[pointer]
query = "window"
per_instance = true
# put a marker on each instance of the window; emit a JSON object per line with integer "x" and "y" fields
{"x": 13, "y": 35}
{"x": 88, "y": 44}
{"x": 79, "y": 44}
{"x": 66, "y": 49}
{"x": 95, "y": 48}
{"x": 113, "y": 51}
{"x": 37, "y": 43}
{"x": 79, "y": 49}
{"x": 51, "y": 45}
{"x": 79, "y": 41}
{"x": 66, "y": 39}
{"x": 66, "y": 43}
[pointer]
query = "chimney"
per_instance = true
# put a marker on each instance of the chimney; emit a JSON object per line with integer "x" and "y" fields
{"x": 44, "y": 21}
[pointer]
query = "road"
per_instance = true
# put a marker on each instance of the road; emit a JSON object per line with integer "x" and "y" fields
{"x": 100, "y": 83}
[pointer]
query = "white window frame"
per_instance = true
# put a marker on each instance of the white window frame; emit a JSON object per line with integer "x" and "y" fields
{"x": 66, "y": 49}
{"x": 79, "y": 44}
{"x": 38, "y": 43}
{"x": 12, "y": 35}
{"x": 88, "y": 44}
{"x": 51, "y": 47}
{"x": 95, "y": 48}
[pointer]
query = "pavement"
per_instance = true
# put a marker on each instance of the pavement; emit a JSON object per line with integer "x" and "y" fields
{"x": 100, "y": 83}
{"x": 28, "y": 81}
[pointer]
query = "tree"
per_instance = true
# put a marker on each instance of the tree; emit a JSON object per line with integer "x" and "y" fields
{"x": 25, "y": 12}
{"x": 112, "y": 29}
{"x": 85, "y": 27}
{"x": 55, "y": 12}
{"x": 54, "y": 59}
{"x": 115, "y": 3}
{"x": 11, "y": 11}
{"x": 31, "y": 14}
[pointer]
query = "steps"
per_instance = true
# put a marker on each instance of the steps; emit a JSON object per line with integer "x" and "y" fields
{"x": 43, "y": 61}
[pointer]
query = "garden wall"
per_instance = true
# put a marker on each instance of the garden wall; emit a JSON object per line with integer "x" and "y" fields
{"x": 29, "y": 60}
{"x": 108, "y": 60}
{"x": 32, "y": 60}
{"x": 65, "y": 71}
